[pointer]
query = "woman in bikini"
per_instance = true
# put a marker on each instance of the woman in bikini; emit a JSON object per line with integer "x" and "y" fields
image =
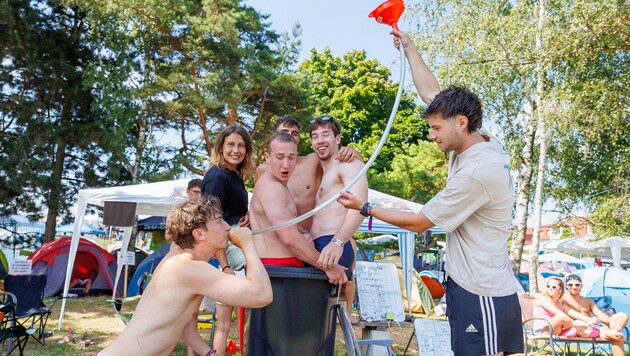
{"x": 550, "y": 306}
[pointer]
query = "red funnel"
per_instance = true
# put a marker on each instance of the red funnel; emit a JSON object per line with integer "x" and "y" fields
{"x": 388, "y": 12}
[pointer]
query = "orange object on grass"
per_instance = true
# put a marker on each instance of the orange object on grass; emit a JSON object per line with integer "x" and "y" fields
{"x": 435, "y": 288}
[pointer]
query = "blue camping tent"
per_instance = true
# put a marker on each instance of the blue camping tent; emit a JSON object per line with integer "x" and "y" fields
{"x": 147, "y": 266}
{"x": 86, "y": 229}
{"x": 611, "y": 282}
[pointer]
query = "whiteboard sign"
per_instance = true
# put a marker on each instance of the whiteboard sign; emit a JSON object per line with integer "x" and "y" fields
{"x": 434, "y": 337}
{"x": 21, "y": 267}
{"x": 128, "y": 258}
{"x": 379, "y": 291}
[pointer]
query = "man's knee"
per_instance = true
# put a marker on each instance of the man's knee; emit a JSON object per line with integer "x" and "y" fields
{"x": 621, "y": 318}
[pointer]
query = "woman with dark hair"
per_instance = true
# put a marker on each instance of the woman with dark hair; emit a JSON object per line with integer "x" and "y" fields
{"x": 230, "y": 166}
{"x": 550, "y": 305}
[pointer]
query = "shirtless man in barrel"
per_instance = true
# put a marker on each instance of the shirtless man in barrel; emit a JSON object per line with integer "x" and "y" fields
{"x": 272, "y": 203}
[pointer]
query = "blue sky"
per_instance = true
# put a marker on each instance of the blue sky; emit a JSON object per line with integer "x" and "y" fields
{"x": 341, "y": 25}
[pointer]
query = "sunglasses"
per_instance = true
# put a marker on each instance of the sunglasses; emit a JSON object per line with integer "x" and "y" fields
{"x": 552, "y": 287}
{"x": 322, "y": 118}
{"x": 570, "y": 285}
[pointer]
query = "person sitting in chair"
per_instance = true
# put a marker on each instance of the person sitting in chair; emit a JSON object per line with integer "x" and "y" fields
{"x": 609, "y": 326}
{"x": 550, "y": 305}
{"x": 86, "y": 282}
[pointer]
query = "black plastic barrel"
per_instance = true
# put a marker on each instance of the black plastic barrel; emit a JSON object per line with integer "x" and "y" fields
{"x": 299, "y": 321}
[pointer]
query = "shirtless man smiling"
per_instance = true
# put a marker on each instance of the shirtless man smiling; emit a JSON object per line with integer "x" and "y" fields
{"x": 334, "y": 226}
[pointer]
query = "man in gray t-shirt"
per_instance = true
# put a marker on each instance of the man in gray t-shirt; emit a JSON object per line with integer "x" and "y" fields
{"x": 475, "y": 210}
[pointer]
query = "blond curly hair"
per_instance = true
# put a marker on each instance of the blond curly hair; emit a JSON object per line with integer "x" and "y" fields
{"x": 191, "y": 215}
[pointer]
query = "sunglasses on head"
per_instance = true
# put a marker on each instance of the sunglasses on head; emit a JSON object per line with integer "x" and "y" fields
{"x": 552, "y": 286}
{"x": 322, "y": 118}
{"x": 574, "y": 284}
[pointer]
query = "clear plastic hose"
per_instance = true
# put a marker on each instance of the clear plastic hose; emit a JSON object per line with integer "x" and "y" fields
{"x": 403, "y": 69}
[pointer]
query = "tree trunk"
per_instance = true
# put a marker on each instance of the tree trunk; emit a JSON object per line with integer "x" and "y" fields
{"x": 542, "y": 137}
{"x": 142, "y": 125}
{"x": 522, "y": 197}
{"x": 55, "y": 194}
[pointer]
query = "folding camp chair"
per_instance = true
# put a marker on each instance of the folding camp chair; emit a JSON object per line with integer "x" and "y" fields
{"x": 11, "y": 333}
{"x": 353, "y": 346}
{"x": 535, "y": 343}
{"x": 30, "y": 310}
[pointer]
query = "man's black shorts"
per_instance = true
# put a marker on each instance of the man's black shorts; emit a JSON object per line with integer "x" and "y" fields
{"x": 483, "y": 325}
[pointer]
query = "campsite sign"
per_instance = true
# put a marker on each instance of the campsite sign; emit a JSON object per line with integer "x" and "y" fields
{"x": 434, "y": 337}
{"x": 380, "y": 297}
{"x": 20, "y": 267}
{"x": 128, "y": 258}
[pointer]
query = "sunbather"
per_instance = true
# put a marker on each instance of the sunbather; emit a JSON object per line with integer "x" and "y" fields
{"x": 609, "y": 326}
{"x": 550, "y": 305}
{"x": 184, "y": 276}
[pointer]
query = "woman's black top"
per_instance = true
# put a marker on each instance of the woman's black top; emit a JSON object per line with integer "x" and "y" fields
{"x": 229, "y": 187}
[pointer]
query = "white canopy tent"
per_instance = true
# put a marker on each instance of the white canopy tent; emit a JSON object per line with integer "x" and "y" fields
{"x": 617, "y": 246}
{"x": 405, "y": 237}
{"x": 159, "y": 198}
{"x": 563, "y": 257}
{"x": 150, "y": 199}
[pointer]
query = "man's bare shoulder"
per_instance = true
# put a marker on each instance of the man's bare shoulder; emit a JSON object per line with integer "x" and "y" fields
{"x": 267, "y": 186}
{"x": 310, "y": 159}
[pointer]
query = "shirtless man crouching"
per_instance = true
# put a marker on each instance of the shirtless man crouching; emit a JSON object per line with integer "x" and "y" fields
{"x": 184, "y": 276}
{"x": 272, "y": 203}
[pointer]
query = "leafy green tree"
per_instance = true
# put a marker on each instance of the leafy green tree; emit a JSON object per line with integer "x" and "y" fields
{"x": 358, "y": 92}
{"x": 209, "y": 64}
{"x": 418, "y": 174}
{"x": 49, "y": 135}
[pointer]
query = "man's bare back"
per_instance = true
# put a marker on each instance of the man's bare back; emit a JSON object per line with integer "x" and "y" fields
{"x": 184, "y": 276}
{"x": 151, "y": 334}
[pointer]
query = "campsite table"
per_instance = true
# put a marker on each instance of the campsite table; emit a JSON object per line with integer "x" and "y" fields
{"x": 379, "y": 330}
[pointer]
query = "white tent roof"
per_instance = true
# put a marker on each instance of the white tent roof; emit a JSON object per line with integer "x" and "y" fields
{"x": 151, "y": 198}
{"x": 616, "y": 246}
{"x": 563, "y": 257}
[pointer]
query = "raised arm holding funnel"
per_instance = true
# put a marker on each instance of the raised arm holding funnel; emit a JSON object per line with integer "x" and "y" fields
{"x": 475, "y": 210}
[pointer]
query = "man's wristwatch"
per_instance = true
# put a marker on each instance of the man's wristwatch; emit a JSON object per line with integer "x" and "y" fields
{"x": 365, "y": 210}
{"x": 338, "y": 242}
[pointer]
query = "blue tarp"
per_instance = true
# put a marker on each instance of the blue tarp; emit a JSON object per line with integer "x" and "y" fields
{"x": 86, "y": 229}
